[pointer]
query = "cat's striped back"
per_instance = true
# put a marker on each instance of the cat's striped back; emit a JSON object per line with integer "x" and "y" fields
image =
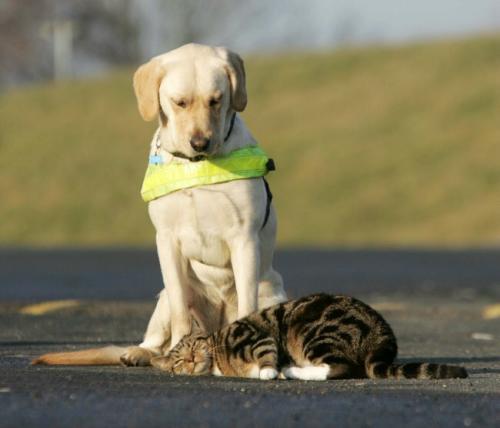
{"x": 340, "y": 334}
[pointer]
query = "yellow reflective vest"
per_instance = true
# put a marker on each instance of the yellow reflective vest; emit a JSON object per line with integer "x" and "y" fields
{"x": 162, "y": 179}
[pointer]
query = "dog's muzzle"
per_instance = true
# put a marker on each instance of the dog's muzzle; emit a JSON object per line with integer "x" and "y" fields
{"x": 200, "y": 144}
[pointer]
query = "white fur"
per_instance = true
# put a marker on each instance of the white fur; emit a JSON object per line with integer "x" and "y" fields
{"x": 254, "y": 372}
{"x": 268, "y": 373}
{"x": 215, "y": 370}
{"x": 215, "y": 258}
{"x": 307, "y": 373}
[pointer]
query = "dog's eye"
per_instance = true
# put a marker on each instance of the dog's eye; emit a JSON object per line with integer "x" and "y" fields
{"x": 181, "y": 103}
{"x": 213, "y": 102}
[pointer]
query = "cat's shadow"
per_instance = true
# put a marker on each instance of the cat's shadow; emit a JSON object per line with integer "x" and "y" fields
{"x": 459, "y": 360}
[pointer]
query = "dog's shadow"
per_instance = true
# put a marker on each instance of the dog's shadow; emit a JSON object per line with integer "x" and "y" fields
{"x": 461, "y": 361}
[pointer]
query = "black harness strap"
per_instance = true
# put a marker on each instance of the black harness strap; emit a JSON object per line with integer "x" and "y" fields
{"x": 268, "y": 203}
{"x": 270, "y": 167}
{"x": 231, "y": 126}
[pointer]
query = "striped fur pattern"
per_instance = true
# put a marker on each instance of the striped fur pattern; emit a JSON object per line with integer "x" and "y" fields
{"x": 316, "y": 337}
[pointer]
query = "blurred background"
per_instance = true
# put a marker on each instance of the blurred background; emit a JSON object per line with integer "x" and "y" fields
{"x": 383, "y": 117}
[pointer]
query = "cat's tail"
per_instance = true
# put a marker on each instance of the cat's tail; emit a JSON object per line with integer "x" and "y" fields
{"x": 107, "y": 356}
{"x": 382, "y": 370}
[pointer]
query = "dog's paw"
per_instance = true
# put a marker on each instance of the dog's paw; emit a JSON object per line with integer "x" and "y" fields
{"x": 135, "y": 356}
{"x": 268, "y": 373}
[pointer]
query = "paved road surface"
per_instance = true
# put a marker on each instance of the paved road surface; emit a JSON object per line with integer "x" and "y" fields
{"x": 134, "y": 274}
{"x": 441, "y": 305}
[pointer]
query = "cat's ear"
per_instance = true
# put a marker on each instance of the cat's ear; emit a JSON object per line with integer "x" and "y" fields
{"x": 163, "y": 363}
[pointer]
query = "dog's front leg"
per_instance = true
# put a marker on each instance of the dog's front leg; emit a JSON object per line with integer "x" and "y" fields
{"x": 158, "y": 331}
{"x": 245, "y": 261}
{"x": 155, "y": 339}
{"x": 174, "y": 271}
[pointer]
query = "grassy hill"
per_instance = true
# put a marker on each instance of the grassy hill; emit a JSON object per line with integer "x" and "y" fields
{"x": 374, "y": 146}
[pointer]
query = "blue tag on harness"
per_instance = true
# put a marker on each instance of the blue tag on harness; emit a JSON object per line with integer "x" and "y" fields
{"x": 155, "y": 159}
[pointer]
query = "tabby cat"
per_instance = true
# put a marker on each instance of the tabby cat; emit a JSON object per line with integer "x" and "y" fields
{"x": 316, "y": 337}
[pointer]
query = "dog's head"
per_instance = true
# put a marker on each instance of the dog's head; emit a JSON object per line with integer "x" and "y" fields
{"x": 194, "y": 90}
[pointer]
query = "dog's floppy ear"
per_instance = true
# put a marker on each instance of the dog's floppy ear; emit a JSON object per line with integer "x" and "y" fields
{"x": 147, "y": 81}
{"x": 235, "y": 70}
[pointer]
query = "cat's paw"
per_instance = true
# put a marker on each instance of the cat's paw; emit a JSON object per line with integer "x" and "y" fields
{"x": 162, "y": 363}
{"x": 268, "y": 373}
{"x": 307, "y": 373}
{"x": 136, "y": 356}
{"x": 289, "y": 372}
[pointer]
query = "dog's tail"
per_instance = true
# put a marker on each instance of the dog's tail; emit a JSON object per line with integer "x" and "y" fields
{"x": 107, "y": 356}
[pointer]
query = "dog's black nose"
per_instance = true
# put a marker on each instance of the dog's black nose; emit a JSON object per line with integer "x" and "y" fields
{"x": 200, "y": 144}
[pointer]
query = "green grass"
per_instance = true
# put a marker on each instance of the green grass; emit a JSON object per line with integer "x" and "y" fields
{"x": 375, "y": 146}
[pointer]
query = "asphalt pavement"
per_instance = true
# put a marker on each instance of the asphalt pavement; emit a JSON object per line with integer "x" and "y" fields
{"x": 443, "y": 305}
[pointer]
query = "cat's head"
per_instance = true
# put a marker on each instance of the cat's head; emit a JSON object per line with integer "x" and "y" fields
{"x": 191, "y": 356}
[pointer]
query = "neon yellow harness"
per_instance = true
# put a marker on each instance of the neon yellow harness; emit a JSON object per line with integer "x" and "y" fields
{"x": 162, "y": 179}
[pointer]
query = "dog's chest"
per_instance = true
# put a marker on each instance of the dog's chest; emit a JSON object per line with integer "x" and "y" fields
{"x": 206, "y": 249}
{"x": 203, "y": 221}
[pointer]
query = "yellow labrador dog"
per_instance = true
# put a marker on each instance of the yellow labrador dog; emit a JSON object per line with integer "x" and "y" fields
{"x": 215, "y": 254}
